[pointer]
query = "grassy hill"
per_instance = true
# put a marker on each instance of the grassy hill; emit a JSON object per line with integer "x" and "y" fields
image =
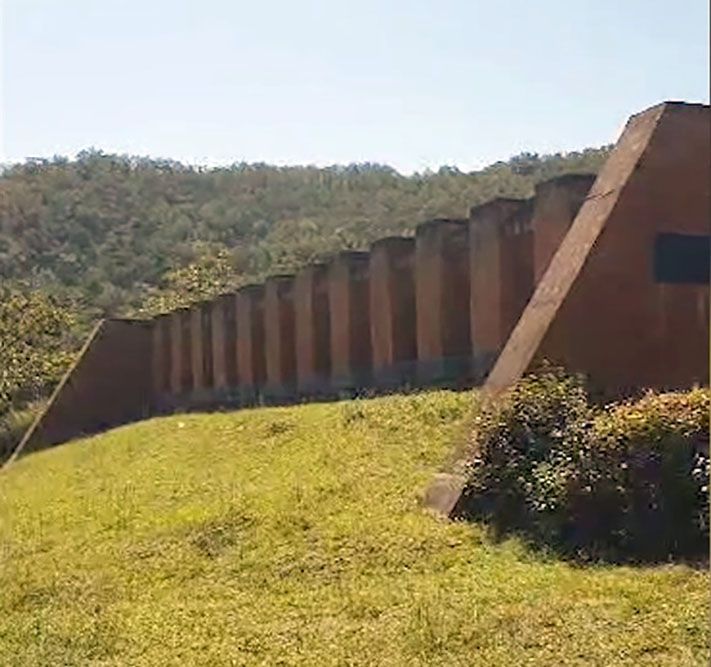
{"x": 293, "y": 536}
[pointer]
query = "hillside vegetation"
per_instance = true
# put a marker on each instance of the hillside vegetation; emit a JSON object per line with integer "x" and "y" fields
{"x": 104, "y": 229}
{"x": 294, "y": 536}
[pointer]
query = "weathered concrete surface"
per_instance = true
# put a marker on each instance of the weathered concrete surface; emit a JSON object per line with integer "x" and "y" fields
{"x": 442, "y": 302}
{"x": 251, "y": 354}
{"x": 108, "y": 385}
{"x": 279, "y": 331}
{"x": 201, "y": 353}
{"x": 223, "y": 327}
{"x": 349, "y": 302}
{"x": 181, "y": 382}
{"x": 313, "y": 331}
{"x": 556, "y": 204}
{"x": 161, "y": 359}
{"x": 623, "y": 299}
{"x": 392, "y": 311}
{"x": 598, "y": 308}
{"x": 501, "y": 270}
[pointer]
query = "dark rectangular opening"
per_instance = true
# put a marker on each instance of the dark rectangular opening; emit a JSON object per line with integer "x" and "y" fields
{"x": 682, "y": 258}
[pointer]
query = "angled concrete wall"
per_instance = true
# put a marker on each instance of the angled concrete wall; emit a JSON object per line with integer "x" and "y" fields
{"x": 601, "y": 308}
{"x": 109, "y": 384}
{"x": 608, "y": 278}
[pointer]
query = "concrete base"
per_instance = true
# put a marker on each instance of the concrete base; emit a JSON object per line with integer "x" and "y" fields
{"x": 481, "y": 365}
{"x": 351, "y": 384}
{"x": 444, "y": 493}
{"x": 447, "y": 372}
{"x": 315, "y": 389}
{"x": 278, "y": 394}
{"x": 402, "y": 374}
{"x": 250, "y": 396}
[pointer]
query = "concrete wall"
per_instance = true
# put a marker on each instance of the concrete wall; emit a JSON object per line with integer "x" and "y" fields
{"x": 599, "y": 308}
{"x": 223, "y": 328}
{"x": 556, "y": 204}
{"x": 442, "y": 302}
{"x": 349, "y": 307}
{"x": 109, "y": 384}
{"x": 393, "y": 325}
{"x": 279, "y": 334}
{"x": 313, "y": 331}
{"x": 573, "y": 275}
{"x": 251, "y": 352}
{"x": 501, "y": 270}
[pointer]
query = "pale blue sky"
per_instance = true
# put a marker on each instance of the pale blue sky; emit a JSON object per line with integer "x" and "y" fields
{"x": 413, "y": 84}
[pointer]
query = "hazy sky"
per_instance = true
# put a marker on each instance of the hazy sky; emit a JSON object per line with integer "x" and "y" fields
{"x": 410, "y": 83}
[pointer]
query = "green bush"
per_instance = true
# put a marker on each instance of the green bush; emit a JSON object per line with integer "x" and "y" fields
{"x": 628, "y": 481}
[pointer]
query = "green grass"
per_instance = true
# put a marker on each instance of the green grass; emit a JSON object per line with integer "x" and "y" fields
{"x": 294, "y": 536}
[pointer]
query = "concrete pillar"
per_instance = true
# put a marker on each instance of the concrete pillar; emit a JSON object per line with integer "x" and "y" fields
{"x": 181, "y": 378}
{"x": 201, "y": 351}
{"x": 224, "y": 344}
{"x": 517, "y": 263}
{"x": 186, "y": 345}
{"x": 313, "y": 344}
{"x": 279, "y": 338}
{"x": 442, "y": 302}
{"x": 393, "y": 324}
{"x": 348, "y": 294}
{"x": 501, "y": 274}
{"x": 196, "y": 350}
{"x": 556, "y": 204}
{"x": 161, "y": 359}
{"x": 251, "y": 360}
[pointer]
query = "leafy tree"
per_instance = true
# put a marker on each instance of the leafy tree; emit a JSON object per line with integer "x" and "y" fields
{"x": 35, "y": 345}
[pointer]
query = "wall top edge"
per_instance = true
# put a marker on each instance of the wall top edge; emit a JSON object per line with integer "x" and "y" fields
{"x": 565, "y": 179}
{"x": 279, "y": 277}
{"x": 393, "y": 240}
{"x": 347, "y": 255}
{"x": 496, "y": 203}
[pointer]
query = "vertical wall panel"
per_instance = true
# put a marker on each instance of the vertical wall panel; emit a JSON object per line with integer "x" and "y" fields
{"x": 556, "y": 204}
{"x": 349, "y": 301}
{"x": 490, "y": 277}
{"x": 313, "y": 344}
{"x": 279, "y": 337}
{"x": 251, "y": 360}
{"x": 442, "y": 297}
{"x": 392, "y": 311}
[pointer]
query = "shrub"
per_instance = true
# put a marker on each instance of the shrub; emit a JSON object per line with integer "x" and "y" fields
{"x": 625, "y": 482}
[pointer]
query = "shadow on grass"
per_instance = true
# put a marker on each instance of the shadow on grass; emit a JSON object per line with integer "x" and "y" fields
{"x": 583, "y": 546}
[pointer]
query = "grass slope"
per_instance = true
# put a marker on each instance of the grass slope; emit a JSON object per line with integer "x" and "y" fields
{"x": 293, "y": 536}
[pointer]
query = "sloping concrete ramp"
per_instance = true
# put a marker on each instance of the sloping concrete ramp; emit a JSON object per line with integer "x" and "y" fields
{"x": 107, "y": 385}
{"x": 625, "y": 298}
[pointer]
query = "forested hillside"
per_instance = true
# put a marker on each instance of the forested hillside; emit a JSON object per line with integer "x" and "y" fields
{"x": 105, "y": 227}
{"x": 118, "y": 235}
